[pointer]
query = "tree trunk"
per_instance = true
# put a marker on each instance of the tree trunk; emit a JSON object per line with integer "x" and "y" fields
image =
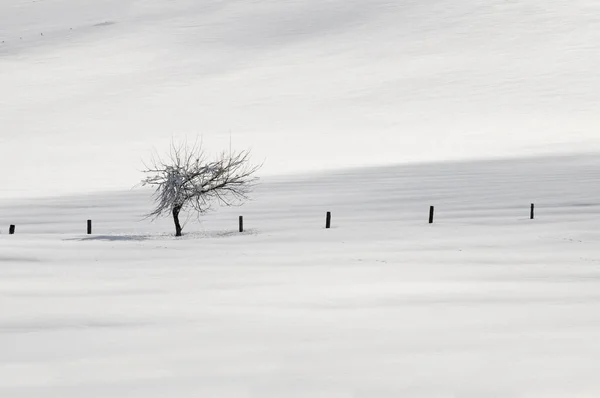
{"x": 176, "y": 211}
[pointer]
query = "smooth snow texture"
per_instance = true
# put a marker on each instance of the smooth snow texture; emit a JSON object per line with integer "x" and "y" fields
{"x": 483, "y": 303}
{"x": 90, "y": 88}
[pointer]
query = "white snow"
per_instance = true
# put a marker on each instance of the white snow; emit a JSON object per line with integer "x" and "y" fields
{"x": 307, "y": 84}
{"x": 483, "y": 303}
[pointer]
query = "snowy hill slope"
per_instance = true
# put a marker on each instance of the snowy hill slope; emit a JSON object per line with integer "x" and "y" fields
{"x": 88, "y": 88}
{"x": 562, "y": 188}
{"x": 483, "y": 303}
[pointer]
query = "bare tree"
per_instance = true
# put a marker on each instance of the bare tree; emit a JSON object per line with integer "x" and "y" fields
{"x": 187, "y": 181}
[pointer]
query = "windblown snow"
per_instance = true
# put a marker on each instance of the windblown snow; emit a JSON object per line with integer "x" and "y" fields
{"x": 483, "y": 303}
{"x": 309, "y": 85}
{"x": 373, "y": 110}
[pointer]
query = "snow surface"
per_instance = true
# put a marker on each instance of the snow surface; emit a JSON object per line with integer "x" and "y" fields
{"x": 483, "y": 303}
{"x": 88, "y": 88}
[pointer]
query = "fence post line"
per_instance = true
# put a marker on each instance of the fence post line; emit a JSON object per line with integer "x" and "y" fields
{"x": 11, "y": 230}
{"x": 241, "y": 222}
{"x": 328, "y": 220}
{"x": 431, "y": 211}
{"x": 89, "y": 227}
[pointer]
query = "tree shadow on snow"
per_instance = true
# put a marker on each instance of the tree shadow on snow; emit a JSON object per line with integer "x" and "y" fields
{"x": 114, "y": 238}
{"x": 163, "y": 236}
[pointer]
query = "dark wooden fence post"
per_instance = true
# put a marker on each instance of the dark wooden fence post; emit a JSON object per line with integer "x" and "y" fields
{"x": 89, "y": 227}
{"x": 11, "y": 230}
{"x": 431, "y": 210}
{"x": 532, "y": 213}
{"x": 328, "y": 220}
{"x": 241, "y": 223}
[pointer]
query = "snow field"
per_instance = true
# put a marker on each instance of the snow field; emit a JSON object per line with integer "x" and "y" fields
{"x": 484, "y": 302}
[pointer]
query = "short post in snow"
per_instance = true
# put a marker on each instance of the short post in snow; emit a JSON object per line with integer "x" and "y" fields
{"x": 328, "y": 220}
{"x": 532, "y": 212}
{"x": 89, "y": 227}
{"x": 11, "y": 230}
{"x": 431, "y": 211}
{"x": 241, "y": 222}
